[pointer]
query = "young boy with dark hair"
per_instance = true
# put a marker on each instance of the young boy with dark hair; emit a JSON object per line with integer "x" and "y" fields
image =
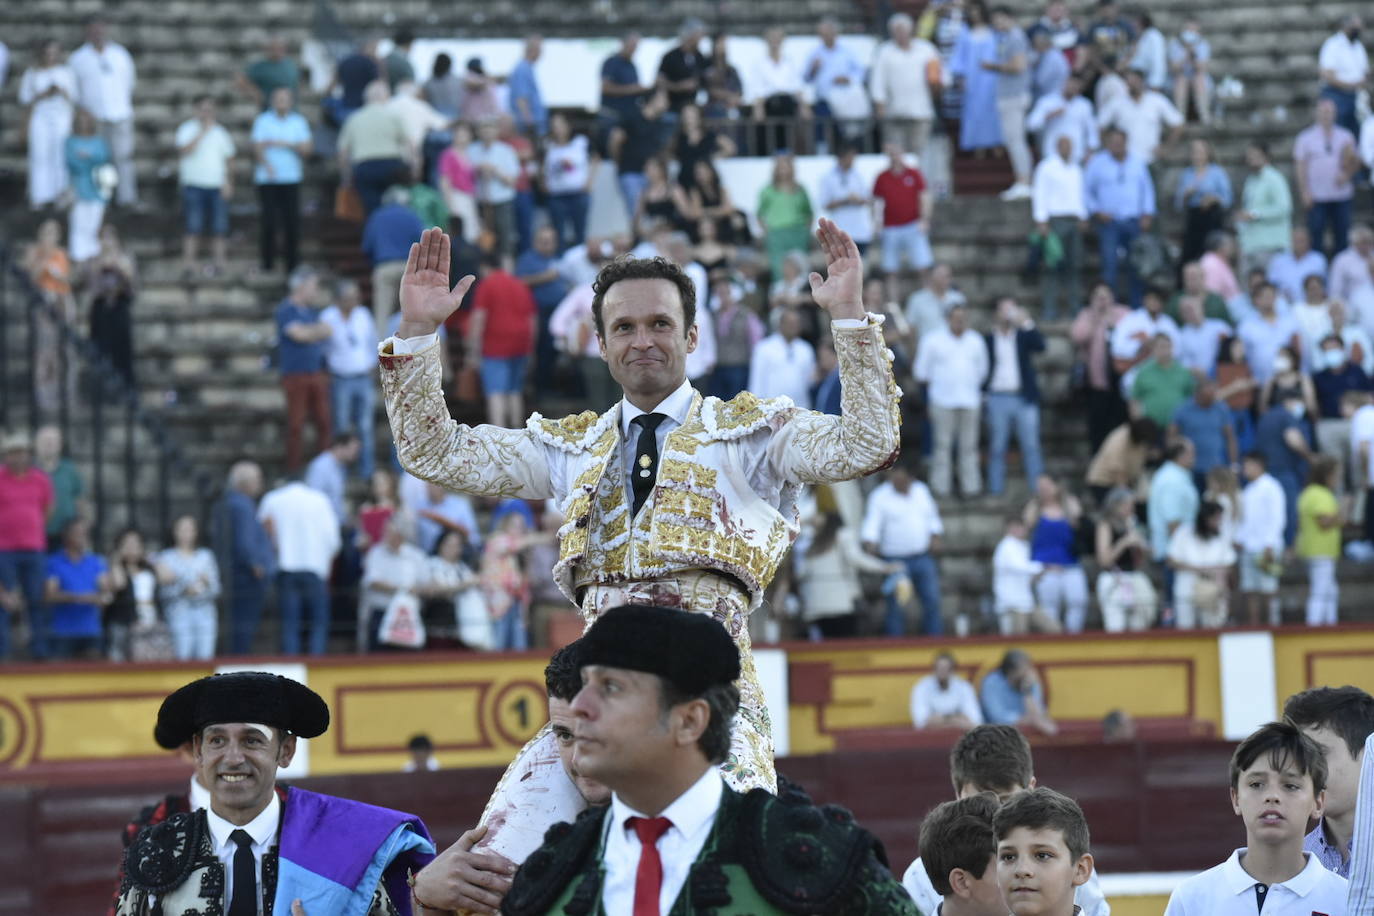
{"x": 1042, "y": 853}
{"x": 1278, "y": 784}
{"x": 1338, "y": 720}
{"x": 992, "y": 759}
{"x": 959, "y": 848}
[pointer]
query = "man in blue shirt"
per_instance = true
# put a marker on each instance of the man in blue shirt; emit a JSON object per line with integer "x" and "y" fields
{"x": 245, "y": 553}
{"x": 1012, "y": 695}
{"x": 1120, "y": 195}
{"x": 1206, "y": 422}
{"x": 301, "y": 337}
{"x": 526, "y": 102}
{"x": 538, "y": 268}
{"x": 387, "y": 236}
{"x": 1281, "y": 437}
{"x": 620, "y": 88}
{"x": 280, "y": 137}
{"x": 829, "y": 68}
{"x": 78, "y": 586}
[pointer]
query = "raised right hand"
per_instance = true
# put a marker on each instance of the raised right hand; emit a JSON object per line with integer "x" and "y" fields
{"x": 426, "y": 300}
{"x": 460, "y": 879}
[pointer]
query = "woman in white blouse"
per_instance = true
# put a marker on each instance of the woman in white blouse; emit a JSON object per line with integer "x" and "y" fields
{"x": 189, "y": 579}
{"x": 448, "y": 577}
{"x": 47, "y": 89}
{"x": 569, "y": 169}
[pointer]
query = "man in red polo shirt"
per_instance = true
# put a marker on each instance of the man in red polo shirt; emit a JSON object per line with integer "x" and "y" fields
{"x": 907, "y": 208}
{"x": 26, "y": 500}
{"x": 500, "y": 337}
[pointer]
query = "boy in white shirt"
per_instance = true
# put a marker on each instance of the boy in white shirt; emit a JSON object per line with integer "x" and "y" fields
{"x": 1013, "y": 572}
{"x": 1278, "y": 784}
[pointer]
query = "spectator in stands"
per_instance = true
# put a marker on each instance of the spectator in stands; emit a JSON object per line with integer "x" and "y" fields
{"x": 448, "y": 579}
{"x": 77, "y": 587}
{"x": 943, "y": 699}
{"x": 426, "y": 130}
{"x": 1133, "y": 337}
{"x": 1343, "y": 66}
{"x": 48, "y": 89}
{"x": 26, "y": 502}
{"x": 696, "y": 143}
{"x": 305, "y": 532}
{"x": 848, "y": 199}
{"x": 1051, "y": 68}
{"x": 1065, "y": 113}
{"x": 1109, "y": 32}
{"x": 1059, "y": 25}
{"x": 1161, "y": 384}
{"x": 633, "y": 142}
{"x": 1124, "y": 591}
{"x": 374, "y": 149}
{"x": 524, "y": 179}
{"x": 1121, "y": 196}
{"x": 246, "y": 553}
{"x": 974, "y": 67}
{"x": 281, "y": 138}
{"x": 1013, "y": 391}
{"x": 1092, "y": 334}
{"x": 458, "y": 182}
{"x": 724, "y": 88}
{"x": 784, "y": 213}
{"x": 422, "y": 760}
{"x": 1353, "y": 337}
{"x": 1325, "y": 162}
{"x": 1288, "y": 269}
{"x": 86, "y": 152}
{"x": 501, "y": 335}
{"x": 328, "y": 471}
{"x": 1352, "y": 271}
{"x": 927, "y": 307}
{"x": 526, "y": 101}
{"x": 506, "y": 581}
{"x": 1266, "y": 332}
{"x": 828, "y": 578}
{"x": 441, "y": 511}
{"x": 1151, "y": 55}
{"x": 444, "y": 88}
{"x": 1202, "y": 558}
{"x": 301, "y": 338}
{"x": 111, "y": 321}
{"x": 620, "y": 86}
{"x": 391, "y": 565}
{"x": 1190, "y": 58}
{"x": 1313, "y": 318}
{"x": 132, "y": 606}
{"x": 833, "y": 73}
{"x": 683, "y": 67}
{"x": 1319, "y": 541}
{"x": 902, "y": 525}
{"x": 105, "y": 77}
{"x": 188, "y": 580}
{"x": 1199, "y": 337}
{"x": 1206, "y": 423}
{"x": 1013, "y": 573}
{"x": 779, "y": 97}
{"x": 276, "y": 70}
{"x": 904, "y": 69}
{"x": 1120, "y": 461}
{"x": 1059, "y": 210}
{"x": 738, "y": 333}
{"x": 1260, "y": 536}
{"x": 1336, "y": 375}
{"x": 569, "y": 170}
{"x": 1142, "y": 114}
{"x": 537, "y": 268}
{"x": 1289, "y": 378}
{"x": 1011, "y": 694}
{"x": 352, "y": 75}
{"x": 396, "y": 66}
{"x": 1110, "y": 86}
{"x": 67, "y": 483}
{"x": 1218, "y": 266}
{"x": 1172, "y": 502}
{"x": 1204, "y": 195}
{"x": 953, "y": 363}
{"x": 1266, "y": 210}
{"x": 389, "y": 232}
{"x": 1012, "y": 66}
{"x": 908, "y": 207}
{"x": 708, "y": 199}
{"x": 480, "y": 99}
{"x": 783, "y": 364}
{"x": 1052, "y": 517}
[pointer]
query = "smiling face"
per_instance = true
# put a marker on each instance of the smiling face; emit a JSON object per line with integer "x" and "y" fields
{"x": 238, "y": 763}
{"x": 561, "y": 720}
{"x": 644, "y": 342}
{"x": 1275, "y": 802}
{"x": 1036, "y": 872}
{"x": 1342, "y": 771}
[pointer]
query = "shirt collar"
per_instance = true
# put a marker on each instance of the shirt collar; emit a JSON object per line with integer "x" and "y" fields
{"x": 675, "y": 406}
{"x": 261, "y": 828}
{"x": 199, "y": 796}
{"x": 689, "y": 812}
{"x": 1238, "y": 880}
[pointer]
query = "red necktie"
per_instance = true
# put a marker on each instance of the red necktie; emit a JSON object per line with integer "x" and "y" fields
{"x": 649, "y": 876}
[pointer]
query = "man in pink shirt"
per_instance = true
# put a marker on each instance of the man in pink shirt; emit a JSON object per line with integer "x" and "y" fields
{"x": 1325, "y": 161}
{"x": 1219, "y": 276}
{"x": 1091, "y": 332}
{"x": 26, "y": 500}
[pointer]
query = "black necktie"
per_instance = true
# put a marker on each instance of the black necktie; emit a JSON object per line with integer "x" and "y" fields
{"x": 1261, "y": 894}
{"x": 245, "y": 901}
{"x": 646, "y": 458}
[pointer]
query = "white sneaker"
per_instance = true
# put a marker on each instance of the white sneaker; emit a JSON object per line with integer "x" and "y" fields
{"x": 1018, "y": 191}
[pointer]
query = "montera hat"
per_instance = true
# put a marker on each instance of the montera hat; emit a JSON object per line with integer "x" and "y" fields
{"x": 242, "y": 696}
{"x": 690, "y": 651}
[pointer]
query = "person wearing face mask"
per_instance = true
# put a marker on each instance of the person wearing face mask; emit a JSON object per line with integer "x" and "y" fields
{"x": 1282, "y": 438}
{"x": 1338, "y": 374}
{"x": 1288, "y": 381}
{"x": 1344, "y": 67}
{"x": 1313, "y": 316}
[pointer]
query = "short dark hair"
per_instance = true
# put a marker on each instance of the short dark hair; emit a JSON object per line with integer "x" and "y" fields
{"x": 443, "y": 65}
{"x": 1284, "y": 743}
{"x": 202, "y": 97}
{"x": 1347, "y": 711}
{"x": 347, "y": 437}
{"x": 1256, "y": 456}
{"x": 421, "y": 743}
{"x": 958, "y": 834}
{"x": 563, "y": 674}
{"x": 626, "y": 267}
{"x": 1177, "y": 448}
{"x": 1044, "y": 809}
{"x": 1260, "y": 147}
{"x": 723, "y": 701}
{"x": 403, "y": 37}
{"x": 991, "y": 757}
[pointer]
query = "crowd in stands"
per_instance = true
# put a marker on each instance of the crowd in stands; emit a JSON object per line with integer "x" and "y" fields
{"x": 1224, "y": 374}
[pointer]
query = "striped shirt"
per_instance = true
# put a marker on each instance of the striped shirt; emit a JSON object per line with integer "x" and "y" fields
{"x": 1361, "y": 900}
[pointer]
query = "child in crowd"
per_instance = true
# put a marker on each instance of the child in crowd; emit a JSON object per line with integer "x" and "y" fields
{"x": 1319, "y": 540}
{"x": 1042, "y": 853}
{"x": 960, "y": 857}
{"x": 1338, "y": 720}
{"x": 1259, "y": 535}
{"x": 993, "y": 759}
{"x": 1278, "y": 784}
{"x": 1013, "y": 572}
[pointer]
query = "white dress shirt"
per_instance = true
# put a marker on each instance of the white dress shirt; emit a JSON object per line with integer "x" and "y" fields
{"x": 1142, "y": 119}
{"x": 929, "y": 699}
{"x": 404, "y": 568}
{"x": 898, "y": 79}
{"x": 953, "y": 367}
{"x": 1057, "y": 190}
{"x": 1361, "y": 433}
{"x": 1137, "y": 329}
{"x": 1006, "y": 368}
{"x": 703, "y": 359}
{"x": 901, "y": 524}
{"x": 198, "y": 796}
{"x": 1263, "y": 514}
{"x": 1012, "y": 572}
{"x": 769, "y": 77}
{"x": 856, "y": 219}
{"x": 1054, "y": 116}
{"x": 352, "y": 348}
{"x": 1228, "y": 888}
{"x": 693, "y": 815}
{"x": 780, "y": 367}
{"x": 304, "y": 527}
{"x": 263, "y": 830}
{"x": 674, "y": 407}
{"x": 105, "y": 81}
{"x": 1198, "y": 344}
{"x": 1347, "y": 60}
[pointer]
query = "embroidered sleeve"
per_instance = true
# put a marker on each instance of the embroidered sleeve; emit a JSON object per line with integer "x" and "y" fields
{"x": 478, "y": 460}
{"x": 813, "y": 447}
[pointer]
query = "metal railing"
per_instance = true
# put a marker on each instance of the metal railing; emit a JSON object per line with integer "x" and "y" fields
{"x": 93, "y": 399}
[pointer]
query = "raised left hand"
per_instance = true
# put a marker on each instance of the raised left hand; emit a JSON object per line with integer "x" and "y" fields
{"x": 840, "y": 292}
